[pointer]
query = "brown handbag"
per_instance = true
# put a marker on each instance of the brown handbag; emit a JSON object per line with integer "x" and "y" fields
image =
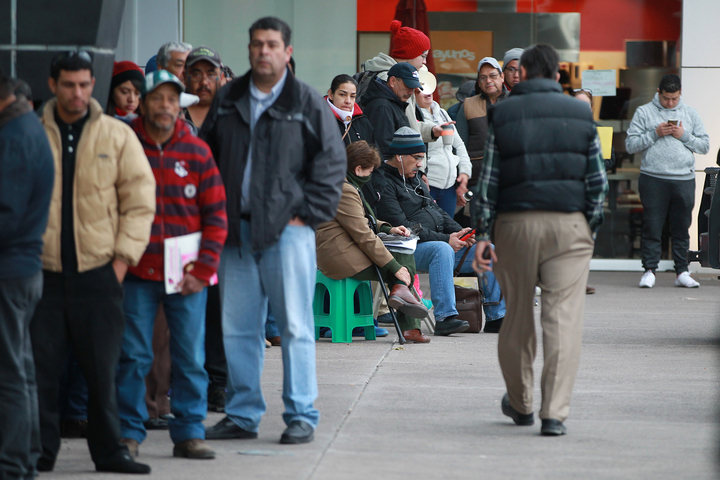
{"x": 469, "y": 302}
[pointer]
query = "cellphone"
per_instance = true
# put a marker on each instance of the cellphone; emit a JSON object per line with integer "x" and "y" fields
{"x": 467, "y": 235}
{"x": 673, "y": 122}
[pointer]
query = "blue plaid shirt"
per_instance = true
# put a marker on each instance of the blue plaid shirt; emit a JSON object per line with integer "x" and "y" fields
{"x": 487, "y": 189}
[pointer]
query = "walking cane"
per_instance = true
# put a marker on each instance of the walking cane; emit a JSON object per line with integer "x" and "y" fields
{"x": 373, "y": 226}
{"x": 392, "y": 312}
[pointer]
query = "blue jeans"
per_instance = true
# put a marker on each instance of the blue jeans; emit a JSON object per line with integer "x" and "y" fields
{"x": 439, "y": 260}
{"x": 271, "y": 329}
{"x": 189, "y": 383}
{"x": 445, "y": 198}
{"x": 282, "y": 277}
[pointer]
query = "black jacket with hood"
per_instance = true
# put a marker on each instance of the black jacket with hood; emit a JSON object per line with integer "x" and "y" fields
{"x": 298, "y": 159}
{"x": 386, "y": 113}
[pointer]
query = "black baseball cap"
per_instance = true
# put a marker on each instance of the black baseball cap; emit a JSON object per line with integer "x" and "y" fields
{"x": 203, "y": 53}
{"x": 407, "y": 73}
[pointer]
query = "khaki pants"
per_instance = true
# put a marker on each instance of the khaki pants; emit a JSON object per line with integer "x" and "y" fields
{"x": 552, "y": 249}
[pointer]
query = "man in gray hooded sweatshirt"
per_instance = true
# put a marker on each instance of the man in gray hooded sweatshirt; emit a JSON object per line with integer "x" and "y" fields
{"x": 668, "y": 133}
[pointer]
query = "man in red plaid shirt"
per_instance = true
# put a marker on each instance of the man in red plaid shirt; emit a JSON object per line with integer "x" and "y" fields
{"x": 190, "y": 198}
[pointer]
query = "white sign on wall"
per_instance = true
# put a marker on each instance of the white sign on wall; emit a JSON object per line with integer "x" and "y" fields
{"x": 600, "y": 82}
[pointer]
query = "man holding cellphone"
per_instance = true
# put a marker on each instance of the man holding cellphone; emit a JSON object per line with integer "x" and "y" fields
{"x": 668, "y": 133}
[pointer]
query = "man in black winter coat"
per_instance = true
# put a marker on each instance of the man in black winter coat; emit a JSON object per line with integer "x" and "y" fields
{"x": 26, "y": 181}
{"x": 283, "y": 164}
{"x": 385, "y": 104}
{"x": 404, "y": 199}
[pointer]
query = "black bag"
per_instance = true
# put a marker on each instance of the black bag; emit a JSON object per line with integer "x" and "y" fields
{"x": 469, "y": 302}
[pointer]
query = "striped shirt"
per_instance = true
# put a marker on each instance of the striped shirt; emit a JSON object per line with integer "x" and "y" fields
{"x": 190, "y": 198}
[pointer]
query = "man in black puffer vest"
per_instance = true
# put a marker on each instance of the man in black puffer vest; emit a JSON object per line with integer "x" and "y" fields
{"x": 543, "y": 176}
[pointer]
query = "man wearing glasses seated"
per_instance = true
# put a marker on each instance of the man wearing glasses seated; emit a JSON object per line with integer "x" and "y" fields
{"x": 405, "y": 200}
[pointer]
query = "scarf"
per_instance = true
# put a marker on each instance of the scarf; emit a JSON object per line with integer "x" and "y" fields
{"x": 345, "y": 116}
{"x": 358, "y": 183}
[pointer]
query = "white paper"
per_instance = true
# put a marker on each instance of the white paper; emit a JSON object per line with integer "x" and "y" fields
{"x": 178, "y": 252}
{"x": 405, "y": 245}
{"x": 600, "y": 82}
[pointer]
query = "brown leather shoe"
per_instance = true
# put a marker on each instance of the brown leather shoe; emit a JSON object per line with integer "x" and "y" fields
{"x": 194, "y": 448}
{"x": 132, "y": 445}
{"x": 415, "y": 336}
{"x": 589, "y": 290}
{"x": 274, "y": 341}
{"x": 402, "y": 299}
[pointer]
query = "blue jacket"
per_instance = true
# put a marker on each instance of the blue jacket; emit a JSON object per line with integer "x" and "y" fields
{"x": 26, "y": 184}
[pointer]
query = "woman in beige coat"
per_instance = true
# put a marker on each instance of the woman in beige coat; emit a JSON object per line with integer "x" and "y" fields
{"x": 348, "y": 247}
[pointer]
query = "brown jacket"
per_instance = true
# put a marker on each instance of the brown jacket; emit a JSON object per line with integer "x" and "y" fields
{"x": 113, "y": 197}
{"x": 346, "y": 245}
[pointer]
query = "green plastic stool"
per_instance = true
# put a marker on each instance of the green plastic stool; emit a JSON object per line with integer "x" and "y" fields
{"x": 341, "y": 319}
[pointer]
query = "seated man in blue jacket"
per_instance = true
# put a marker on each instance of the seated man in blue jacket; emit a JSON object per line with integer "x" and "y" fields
{"x": 404, "y": 199}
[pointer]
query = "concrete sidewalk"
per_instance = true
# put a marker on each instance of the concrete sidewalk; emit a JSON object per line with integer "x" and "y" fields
{"x": 645, "y": 405}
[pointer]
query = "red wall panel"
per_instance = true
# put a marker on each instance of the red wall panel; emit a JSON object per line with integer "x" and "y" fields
{"x": 606, "y": 24}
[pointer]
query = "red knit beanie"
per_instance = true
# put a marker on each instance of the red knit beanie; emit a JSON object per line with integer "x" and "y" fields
{"x": 124, "y": 71}
{"x": 407, "y": 42}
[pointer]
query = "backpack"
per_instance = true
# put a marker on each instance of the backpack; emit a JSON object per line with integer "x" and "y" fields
{"x": 363, "y": 78}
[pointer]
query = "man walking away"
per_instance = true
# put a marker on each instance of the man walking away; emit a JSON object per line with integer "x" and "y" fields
{"x": 26, "y": 176}
{"x": 549, "y": 204}
{"x": 103, "y": 204}
{"x": 283, "y": 163}
{"x": 668, "y": 133}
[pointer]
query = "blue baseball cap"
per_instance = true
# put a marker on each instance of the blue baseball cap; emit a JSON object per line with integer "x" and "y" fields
{"x": 407, "y": 73}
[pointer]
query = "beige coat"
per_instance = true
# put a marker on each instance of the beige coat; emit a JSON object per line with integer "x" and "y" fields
{"x": 346, "y": 245}
{"x": 113, "y": 198}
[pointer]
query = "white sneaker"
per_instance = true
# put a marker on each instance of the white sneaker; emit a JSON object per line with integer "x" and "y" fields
{"x": 538, "y": 292}
{"x": 648, "y": 280}
{"x": 685, "y": 280}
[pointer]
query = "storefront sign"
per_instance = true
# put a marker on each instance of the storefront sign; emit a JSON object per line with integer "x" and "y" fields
{"x": 458, "y": 53}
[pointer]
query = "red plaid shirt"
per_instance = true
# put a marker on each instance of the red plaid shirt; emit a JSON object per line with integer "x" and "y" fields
{"x": 190, "y": 198}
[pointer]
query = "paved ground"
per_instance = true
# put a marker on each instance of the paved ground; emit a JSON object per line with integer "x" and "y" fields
{"x": 645, "y": 405}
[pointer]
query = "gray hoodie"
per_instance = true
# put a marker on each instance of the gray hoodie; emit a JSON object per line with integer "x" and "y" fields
{"x": 667, "y": 157}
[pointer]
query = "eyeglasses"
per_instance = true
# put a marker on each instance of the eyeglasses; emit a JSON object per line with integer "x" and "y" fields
{"x": 585, "y": 90}
{"x": 198, "y": 76}
{"x": 484, "y": 78}
{"x": 512, "y": 70}
{"x": 418, "y": 158}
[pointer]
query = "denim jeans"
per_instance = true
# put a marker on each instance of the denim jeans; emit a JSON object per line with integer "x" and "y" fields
{"x": 446, "y": 198}
{"x": 186, "y": 319}
{"x": 439, "y": 260}
{"x": 282, "y": 277}
{"x": 271, "y": 329}
{"x": 19, "y": 422}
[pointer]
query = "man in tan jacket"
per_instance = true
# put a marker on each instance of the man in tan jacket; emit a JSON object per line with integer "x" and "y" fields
{"x": 102, "y": 208}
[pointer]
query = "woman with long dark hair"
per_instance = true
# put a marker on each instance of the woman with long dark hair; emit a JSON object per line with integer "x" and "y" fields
{"x": 353, "y": 124}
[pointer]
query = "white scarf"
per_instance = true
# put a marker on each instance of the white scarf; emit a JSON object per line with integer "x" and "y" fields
{"x": 343, "y": 114}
